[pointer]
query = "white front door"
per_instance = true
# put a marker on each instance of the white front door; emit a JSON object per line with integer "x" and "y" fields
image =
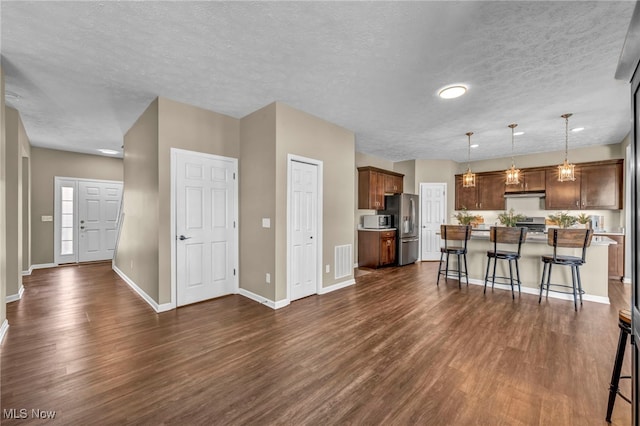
{"x": 433, "y": 200}
{"x": 303, "y": 227}
{"x": 98, "y": 209}
{"x": 206, "y": 218}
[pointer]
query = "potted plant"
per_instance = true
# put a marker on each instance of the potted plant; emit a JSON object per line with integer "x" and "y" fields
{"x": 465, "y": 218}
{"x": 510, "y": 218}
{"x": 584, "y": 220}
{"x": 563, "y": 219}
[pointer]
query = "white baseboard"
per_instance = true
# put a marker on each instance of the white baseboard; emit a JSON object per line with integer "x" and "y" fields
{"x": 43, "y": 266}
{"x": 355, "y": 265}
{"x": 14, "y": 297}
{"x": 626, "y": 280}
{"x": 27, "y": 272}
{"x": 156, "y": 307}
{"x": 263, "y": 300}
{"x": 3, "y": 330}
{"x": 338, "y": 286}
{"x": 536, "y": 291}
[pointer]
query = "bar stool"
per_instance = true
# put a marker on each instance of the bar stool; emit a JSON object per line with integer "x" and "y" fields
{"x": 505, "y": 235}
{"x": 624, "y": 322}
{"x": 455, "y": 239}
{"x": 569, "y": 238}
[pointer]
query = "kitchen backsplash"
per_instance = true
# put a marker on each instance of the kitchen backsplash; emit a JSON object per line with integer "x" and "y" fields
{"x": 613, "y": 219}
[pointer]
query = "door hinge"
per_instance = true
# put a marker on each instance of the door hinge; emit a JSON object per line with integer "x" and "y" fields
{"x": 234, "y": 271}
{"x": 234, "y": 176}
{"x": 234, "y": 223}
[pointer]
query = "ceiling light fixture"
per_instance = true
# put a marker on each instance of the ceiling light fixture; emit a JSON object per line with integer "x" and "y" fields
{"x": 566, "y": 170}
{"x": 108, "y": 151}
{"x": 474, "y": 145}
{"x": 513, "y": 174}
{"x": 451, "y": 92}
{"x": 518, "y": 134}
{"x": 577, "y": 129}
{"x": 469, "y": 178}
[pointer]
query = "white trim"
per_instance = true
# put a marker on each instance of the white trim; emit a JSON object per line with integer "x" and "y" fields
{"x": 536, "y": 291}
{"x": 338, "y": 286}
{"x": 43, "y": 266}
{"x": 172, "y": 201}
{"x": 15, "y": 297}
{"x": 263, "y": 300}
{"x": 28, "y": 271}
{"x": 156, "y": 307}
{"x": 626, "y": 280}
{"x": 3, "y": 330}
{"x": 319, "y": 215}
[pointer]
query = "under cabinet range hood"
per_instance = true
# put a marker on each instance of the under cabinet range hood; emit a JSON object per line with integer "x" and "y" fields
{"x": 532, "y": 194}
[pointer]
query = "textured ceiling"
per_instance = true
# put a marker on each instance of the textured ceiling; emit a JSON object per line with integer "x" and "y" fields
{"x": 81, "y": 73}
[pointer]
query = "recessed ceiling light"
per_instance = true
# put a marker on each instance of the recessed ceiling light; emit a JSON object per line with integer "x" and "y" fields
{"x": 108, "y": 151}
{"x": 475, "y": 145}
{"x": 518, "y": 134}
{"x": 451, "y": 92}
{"x": 577, "y": 129}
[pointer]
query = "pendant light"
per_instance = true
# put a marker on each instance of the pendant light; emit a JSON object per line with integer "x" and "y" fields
{"x": 469, "y": 178}
{"x": 513, "y": 174}
{"x": 566, "y": 170}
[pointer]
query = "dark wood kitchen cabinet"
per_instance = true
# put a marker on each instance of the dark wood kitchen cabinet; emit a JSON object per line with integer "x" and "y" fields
{"x": 562, "y": 195}
{"x": 530, "y": 181}
{"x": 376, "y": 248}
{"x": 488, "y": 194}
{"x": 373, "y": 183}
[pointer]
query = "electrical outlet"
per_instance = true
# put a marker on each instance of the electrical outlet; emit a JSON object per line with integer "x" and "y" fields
{"x": 327, "y": 269}
{"x": 268, "y": 278}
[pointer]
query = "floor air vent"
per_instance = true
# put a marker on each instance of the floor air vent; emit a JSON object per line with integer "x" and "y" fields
{"x": 344, "y": 261}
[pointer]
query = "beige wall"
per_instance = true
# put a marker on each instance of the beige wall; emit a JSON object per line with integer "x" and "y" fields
{"x": 46, "y": 164}
{"x": 408, "y": 169}
{"x": 438, "y": 171}
{"x": 137, "y": 253}
{"x": 26, "y": 211}
{"x": 195, "y": 129}
{"x": 16, "y": 138}
{"x": 257, "y": 201}
{"x": 302, "y": 134}
{"x": 3, "y": 203}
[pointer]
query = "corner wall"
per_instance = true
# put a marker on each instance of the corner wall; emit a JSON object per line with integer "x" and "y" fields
{"x": 257, "y": 170}
{"x": 3, "y": 214}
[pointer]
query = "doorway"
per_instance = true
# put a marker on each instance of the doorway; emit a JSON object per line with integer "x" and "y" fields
{"x": 433, "y": 209}
{"x": 304, "y": 224}
{"x": 205, "y": 211}
{"x": 85, "y": 219}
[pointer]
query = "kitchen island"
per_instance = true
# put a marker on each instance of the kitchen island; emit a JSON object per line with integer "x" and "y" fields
{"x": 593, "y": 274}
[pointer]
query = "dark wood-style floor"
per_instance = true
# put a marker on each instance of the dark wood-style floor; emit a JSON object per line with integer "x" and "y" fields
{"x": 393, "y": 349}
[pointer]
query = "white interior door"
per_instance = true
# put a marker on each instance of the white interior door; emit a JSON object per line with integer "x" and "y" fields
{"x": 303, "y": 226}
{"x": 433, "y": 201}
{"x": 98, "y": 210}
{"x": 206, "y": 235}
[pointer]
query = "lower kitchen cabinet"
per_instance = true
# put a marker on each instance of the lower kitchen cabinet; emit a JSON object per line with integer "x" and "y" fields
{"x": 376, "y": 248}
{"x": 616, "y": 257}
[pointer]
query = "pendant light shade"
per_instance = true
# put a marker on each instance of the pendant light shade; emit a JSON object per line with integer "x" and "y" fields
{"x": 566, "y": 170}
{"x": 469, "y": 178}
{"x": 513, "y": 174}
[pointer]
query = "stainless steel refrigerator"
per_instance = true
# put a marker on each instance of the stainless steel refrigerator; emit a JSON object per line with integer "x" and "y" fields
{"x": 403, "y": 209}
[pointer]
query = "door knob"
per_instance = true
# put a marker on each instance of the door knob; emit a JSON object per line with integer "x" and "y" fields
{"x": 182, "y": 238}
{"x": 82, "y": 227}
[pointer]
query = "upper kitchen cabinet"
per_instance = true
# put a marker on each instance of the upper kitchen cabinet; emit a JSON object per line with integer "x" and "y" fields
{"x": 373, "y": 183}
{"x": 530, "y": 181}
{"x": 601, "y": 186}
{"x": 598, "y": 186}
{"x": 488, "y": 194}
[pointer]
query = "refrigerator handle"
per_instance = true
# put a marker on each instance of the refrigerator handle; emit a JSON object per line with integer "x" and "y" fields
{"x": 412, "y": 208}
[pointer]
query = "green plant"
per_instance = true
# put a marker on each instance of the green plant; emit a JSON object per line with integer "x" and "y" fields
{"x": 583, "y": 218}
{"x": 464, "y": 217}
{"x": 563, "y": 219}
{"x": 510, "y": 218}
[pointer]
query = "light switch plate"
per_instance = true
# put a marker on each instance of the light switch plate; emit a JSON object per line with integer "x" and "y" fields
{"x": 47, "y": 218}
{"x": 266, "y": 222}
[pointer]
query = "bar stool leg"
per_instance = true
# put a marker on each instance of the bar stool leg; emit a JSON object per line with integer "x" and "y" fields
{"x": 549, "y": 279}
{"x": 573, "y": 284}
{"x": 544, "y": 271}
{"x": 459, "y": 275}
{"x": 615, "y": 377}
{"x": 440, "y": 268}
{"x": 579, "y": 283}
{"x": 518, "y": 275}
{"x": 466, "y": 270}
{"x": 513, "y": 296}
{"x": 446, "y": 271}
{"x": 486, "y": 274}
{"x": 493, "y": 279}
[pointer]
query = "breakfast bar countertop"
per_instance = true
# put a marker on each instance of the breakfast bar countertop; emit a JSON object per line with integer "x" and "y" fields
{"x": 532, "y": 237}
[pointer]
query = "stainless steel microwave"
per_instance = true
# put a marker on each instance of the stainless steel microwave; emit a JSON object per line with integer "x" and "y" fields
{"x": 376, "y": 221}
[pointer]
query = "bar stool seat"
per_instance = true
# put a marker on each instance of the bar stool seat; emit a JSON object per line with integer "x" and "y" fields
{"x": 510, "y": 236}
{"x": 455, "y": 239}
{"x": 565, "y": 238}
{"x": 624, "y": 322}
